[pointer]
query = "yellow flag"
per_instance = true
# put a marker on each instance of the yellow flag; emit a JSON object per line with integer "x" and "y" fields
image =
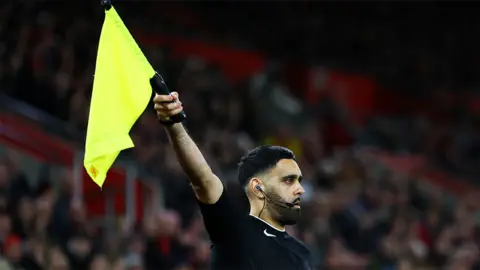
{"x": 121, "y": 92}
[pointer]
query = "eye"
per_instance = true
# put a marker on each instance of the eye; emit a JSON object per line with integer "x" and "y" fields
{"x": 289, "y": 180}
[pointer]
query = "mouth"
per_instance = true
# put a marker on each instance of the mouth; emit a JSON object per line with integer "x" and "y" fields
{"x": 296, "y": 204}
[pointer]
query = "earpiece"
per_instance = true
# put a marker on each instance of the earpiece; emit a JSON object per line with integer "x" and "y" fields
{"x": 257, "y": 187}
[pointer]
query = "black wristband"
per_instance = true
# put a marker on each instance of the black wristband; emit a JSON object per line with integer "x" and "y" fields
{"x": 165, "y": 122}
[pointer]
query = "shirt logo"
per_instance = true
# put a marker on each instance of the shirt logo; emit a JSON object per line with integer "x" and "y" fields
{"x": 268, "y": 234}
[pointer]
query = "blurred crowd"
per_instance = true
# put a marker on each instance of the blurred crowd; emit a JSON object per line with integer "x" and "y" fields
{"x": 358, "y": 215}
{"x": 453, "y": 145}
{"x": 429, "y": 61}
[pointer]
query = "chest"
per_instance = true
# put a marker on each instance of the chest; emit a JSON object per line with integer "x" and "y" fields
{"x": 279, "y": 253}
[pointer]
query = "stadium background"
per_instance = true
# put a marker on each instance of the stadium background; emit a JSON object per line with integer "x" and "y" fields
{"x": 380, "y": 102}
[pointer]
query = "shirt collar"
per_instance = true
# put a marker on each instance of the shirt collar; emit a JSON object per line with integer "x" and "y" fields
{"x": 267, "y": 223}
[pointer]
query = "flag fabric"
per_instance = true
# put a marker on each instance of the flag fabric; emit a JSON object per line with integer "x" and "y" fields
{"x": 121, "y": 92}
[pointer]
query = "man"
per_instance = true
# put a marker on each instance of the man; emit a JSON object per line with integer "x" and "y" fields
{"x": 272, "y": 181}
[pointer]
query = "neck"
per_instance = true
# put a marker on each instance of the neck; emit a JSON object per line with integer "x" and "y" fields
{"x": 267, "y": 218}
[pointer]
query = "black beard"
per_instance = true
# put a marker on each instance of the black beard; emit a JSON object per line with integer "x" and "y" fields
{"x": 284, "y": 214}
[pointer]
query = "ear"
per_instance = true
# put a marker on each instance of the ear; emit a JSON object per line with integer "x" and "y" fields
{"x": 252, "y": 186}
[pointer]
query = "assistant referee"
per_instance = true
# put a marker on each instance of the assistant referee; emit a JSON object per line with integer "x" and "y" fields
{"x": 272, "y": 181}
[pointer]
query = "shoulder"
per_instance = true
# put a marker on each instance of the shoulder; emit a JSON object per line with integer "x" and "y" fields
{"x": 224, "y": 220}
{"x": 301, "y": 246}
{"x": 304, "y": 252}
{"x": 227, "y": 202}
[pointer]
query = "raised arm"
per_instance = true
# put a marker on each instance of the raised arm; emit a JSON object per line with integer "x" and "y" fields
{"x": 207, "y": 186}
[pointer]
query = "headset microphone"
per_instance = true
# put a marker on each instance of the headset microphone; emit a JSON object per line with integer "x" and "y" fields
{"x": 281, "y": 203}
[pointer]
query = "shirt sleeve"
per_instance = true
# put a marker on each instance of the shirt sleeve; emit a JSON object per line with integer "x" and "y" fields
{"x": 223, "y": 220}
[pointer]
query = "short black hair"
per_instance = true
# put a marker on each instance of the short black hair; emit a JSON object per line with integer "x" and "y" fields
{"x": 260, "y": 160}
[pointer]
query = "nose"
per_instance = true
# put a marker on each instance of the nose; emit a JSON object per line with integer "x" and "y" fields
{"x": 299, "y": 191}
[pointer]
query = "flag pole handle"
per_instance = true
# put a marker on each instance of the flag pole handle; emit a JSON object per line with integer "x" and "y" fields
{"x": 106, "y": 4}
{"x": 160, "y": 87}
